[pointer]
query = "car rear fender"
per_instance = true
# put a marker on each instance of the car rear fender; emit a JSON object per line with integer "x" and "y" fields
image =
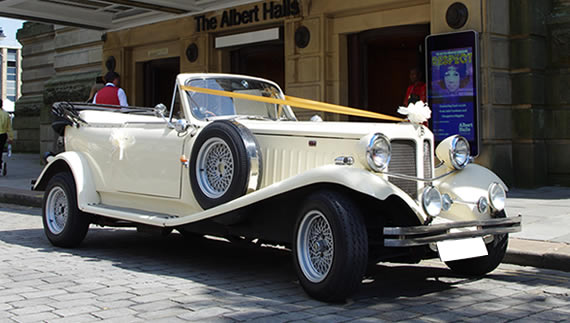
{"x": 78, "y": 166}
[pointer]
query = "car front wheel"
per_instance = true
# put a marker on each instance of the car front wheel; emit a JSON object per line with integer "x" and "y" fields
{"x": 64, "y": 224}
{"x": 330, "y": 247}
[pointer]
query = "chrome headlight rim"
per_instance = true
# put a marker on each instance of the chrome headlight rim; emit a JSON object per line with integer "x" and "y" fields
{"x": 495, "y": 191}
{"x": 369, "y": 152}
{"x": 453, "y": 150}
{"x": 432, "y": 201}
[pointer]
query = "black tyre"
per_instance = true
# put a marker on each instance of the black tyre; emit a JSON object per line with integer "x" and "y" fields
{"x": 64, "y": 224}
{"x": 479, "y": 266}
{"x": 220, "y": 164}
{"x": 330, "y": 247}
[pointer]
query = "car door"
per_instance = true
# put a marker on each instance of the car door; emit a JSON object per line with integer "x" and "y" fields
{"x": 146, "y": 159}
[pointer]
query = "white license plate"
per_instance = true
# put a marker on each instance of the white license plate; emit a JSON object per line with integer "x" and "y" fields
{"x": 450, "y": 250}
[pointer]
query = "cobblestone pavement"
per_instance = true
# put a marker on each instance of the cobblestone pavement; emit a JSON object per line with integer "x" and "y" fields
{"x": 119, "y": 275}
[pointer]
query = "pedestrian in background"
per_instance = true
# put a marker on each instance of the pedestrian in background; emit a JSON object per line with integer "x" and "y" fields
{"x": 99, "y": 84}
{"x": 6, "y": 134}
{"x": 112, "y": 93}
{"x": 417, "y": 89}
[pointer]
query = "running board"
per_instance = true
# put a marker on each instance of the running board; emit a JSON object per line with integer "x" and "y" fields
{"x": 128, "y": 214}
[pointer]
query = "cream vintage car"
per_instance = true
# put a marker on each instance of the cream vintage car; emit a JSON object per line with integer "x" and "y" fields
{"x": 229, "y": 159}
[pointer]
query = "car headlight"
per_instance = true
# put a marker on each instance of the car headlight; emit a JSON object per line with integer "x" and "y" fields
{"x": 497, "y": 196}
{"x": 454, "y": 151}
{"x": 378, "y": 152}
{"x": 431, "y": 201}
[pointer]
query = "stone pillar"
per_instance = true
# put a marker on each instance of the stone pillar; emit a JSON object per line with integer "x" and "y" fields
{"x": 77, "y": 62}
{"x": 37, "y": 65}
{"x": 529, "y": 36}
{"x": 495, "y": 120}
{"x": 557, "y": 83}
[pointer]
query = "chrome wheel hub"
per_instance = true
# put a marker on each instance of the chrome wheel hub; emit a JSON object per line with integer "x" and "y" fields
{"x": 315, "y": 246}
{"x": 215, "y": 167}
{"x": 57, "y": 210}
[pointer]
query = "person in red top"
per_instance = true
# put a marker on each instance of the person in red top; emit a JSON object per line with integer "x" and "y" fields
{"x": 111, "y": 94}
{"x": 417, "y": 90}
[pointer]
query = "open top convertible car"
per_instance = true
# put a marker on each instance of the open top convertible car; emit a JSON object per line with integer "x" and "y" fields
{"x": 229, "y": 159}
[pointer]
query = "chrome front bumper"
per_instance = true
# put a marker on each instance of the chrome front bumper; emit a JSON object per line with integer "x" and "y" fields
{"x": 425, "y": 234}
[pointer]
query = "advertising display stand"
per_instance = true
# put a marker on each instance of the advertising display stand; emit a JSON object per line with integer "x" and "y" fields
{"x": 452, "y": 69}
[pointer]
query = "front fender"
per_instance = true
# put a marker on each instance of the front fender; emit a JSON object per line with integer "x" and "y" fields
{"x": 78, "y": 165}
{"x": 466, "y": 187}
{"x": 356, "y": 179}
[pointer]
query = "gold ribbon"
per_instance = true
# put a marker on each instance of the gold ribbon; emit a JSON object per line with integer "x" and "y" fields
{"x": 296, "y": 102}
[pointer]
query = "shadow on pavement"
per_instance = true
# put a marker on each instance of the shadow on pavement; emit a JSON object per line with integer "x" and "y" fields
{"x": 221, "y": 266}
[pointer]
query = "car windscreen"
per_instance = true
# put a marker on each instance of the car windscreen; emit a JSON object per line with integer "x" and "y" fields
{"x": 209, "y": 105}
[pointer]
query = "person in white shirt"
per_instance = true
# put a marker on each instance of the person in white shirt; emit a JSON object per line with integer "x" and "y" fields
{"x": 111, "y": 94}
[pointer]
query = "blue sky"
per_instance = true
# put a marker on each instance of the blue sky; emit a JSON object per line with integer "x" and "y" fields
{"x": 10, "y": 27}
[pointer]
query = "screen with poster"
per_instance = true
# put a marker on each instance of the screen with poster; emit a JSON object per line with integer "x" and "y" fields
{"x": 452, "y": 91}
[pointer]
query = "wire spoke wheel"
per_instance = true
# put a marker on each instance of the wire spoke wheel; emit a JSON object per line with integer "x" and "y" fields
{"x": 64, "y": 224}
{"x": 215, "y": 169}
{"x": 330, "y": 246}
{"x": 315, "y": 246}
{"x": 57, "y": 210}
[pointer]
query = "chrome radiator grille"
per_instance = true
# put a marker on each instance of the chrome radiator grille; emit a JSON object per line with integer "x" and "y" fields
{"x": 427, "y": 160}
{"x": 403, "y": 161}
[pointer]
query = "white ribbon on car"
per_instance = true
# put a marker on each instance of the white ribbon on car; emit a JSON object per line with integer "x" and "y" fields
{"x": 121, "y": 140}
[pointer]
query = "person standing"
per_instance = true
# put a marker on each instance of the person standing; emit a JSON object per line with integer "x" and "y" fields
{"x": 6, "y": 134}
{"x": 99, "y": 84}
{"x": 417, "y": 90}
{"x": 112, "y": 93}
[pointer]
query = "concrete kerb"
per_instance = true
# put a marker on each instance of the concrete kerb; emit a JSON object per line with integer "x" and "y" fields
{"x": 541, "y": 254}
{"x": 21, "y": 197}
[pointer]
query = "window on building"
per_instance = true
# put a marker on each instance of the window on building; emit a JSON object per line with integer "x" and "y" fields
{"x": 11, "y": 98}
{"x": 12, "y": 55}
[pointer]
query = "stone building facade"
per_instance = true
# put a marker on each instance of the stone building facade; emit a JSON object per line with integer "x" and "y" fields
{"x": 59, "y": 64}
{"x": 357, "y": 54}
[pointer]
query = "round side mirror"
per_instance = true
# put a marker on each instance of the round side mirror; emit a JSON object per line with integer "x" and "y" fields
{"x": 159, "y": 110}
{"x": 181, "y": 125}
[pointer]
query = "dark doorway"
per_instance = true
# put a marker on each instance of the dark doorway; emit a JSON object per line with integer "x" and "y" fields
{"x": 265, "y": 61}
{"x": 158, "y": 80}
{"x": 379, "y": 65}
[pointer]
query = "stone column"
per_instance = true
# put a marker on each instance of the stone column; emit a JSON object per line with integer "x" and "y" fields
{"x": 37, "y": 66}
{"x": 529, "y": 38}
{"x": 557, "y": 83}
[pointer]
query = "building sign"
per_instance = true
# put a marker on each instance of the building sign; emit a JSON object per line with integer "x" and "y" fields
{"x": 452, "y": 71}
{"x": 233, "y": 17}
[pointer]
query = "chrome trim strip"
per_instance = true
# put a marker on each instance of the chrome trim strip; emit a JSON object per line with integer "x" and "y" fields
{"x": 253, "y": 155}
{"x": 411, "y": 178}
{"x": 421, "y": 235}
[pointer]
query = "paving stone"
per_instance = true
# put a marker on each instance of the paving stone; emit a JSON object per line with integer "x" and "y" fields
{"x": 84, "y": 318}
{"x": 330, "y": 318}
{"x": 113, "y": 313}
{"x": 204, "y": 314}
{"x": 32, "y": 310}
{"x": 398, "y": 315}
{"x": 34, "y": 317}
{"x": 170, "y": 312}
{"x": 249, "y": 314}
{"x": 76, "y": 310}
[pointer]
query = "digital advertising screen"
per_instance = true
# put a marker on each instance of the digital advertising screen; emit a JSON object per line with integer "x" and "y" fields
{"x": 452, "y": 88}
